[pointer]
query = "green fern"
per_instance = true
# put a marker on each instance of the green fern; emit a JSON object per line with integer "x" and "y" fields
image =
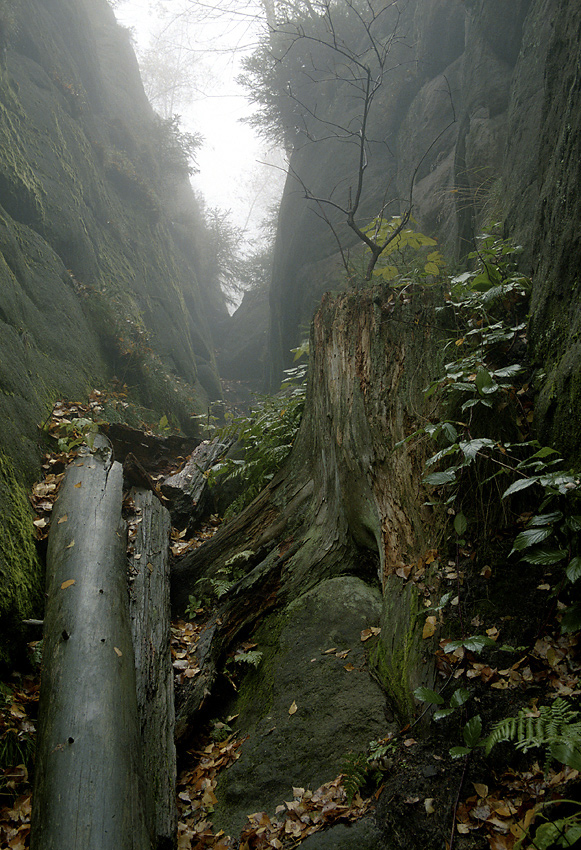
{"x": 557, "y": 727}
{"x": 355, "y": 771}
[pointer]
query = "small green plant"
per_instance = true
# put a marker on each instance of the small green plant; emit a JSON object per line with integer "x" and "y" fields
{"x": 472, "y": 729}
{"x": 563, "y": 832}
{"x": 193, "y": 607}
{"x": 361, "y": 769}
{"x": 556, "y": 727}
{"x": 405, "y": 258}
{"x": 355, "y": 770}
{"x": 74, "y": 433}
{"x": 266, "y": 437}
{"x": 253, "y": 657}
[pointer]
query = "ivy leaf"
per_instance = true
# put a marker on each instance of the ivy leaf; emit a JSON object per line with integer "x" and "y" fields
{"x": 435, "y": 479}
{"x": 475, "y": 643}
{"x": 574, "y": 568}
{"x": 546, "y": 519}
{"x": 516, "y": 486}
{"x": 429, "y": 696}
{"x": 459, "y": 697}
{"x": 574, "y": 523}
{"x": 567, "y": 753}
{"x": 544, "y": 557}
{"x": 530, "y": 537}
{"x": 442, "y": 712}
{"x": 458, "y": 752}
{"x": 460, "y": 524}
{"x": 483, "y": 381}
{"x": 472, "y": 731}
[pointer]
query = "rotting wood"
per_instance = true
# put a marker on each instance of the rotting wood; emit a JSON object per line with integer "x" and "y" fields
{"x": 346, "y": 502}
{"x": 89, "y": 791}
{"x": 188, "y": 490}
{"x": 150, "y": 627}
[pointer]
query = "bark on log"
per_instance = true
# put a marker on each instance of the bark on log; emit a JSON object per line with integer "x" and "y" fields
{"x": 150, "y": 627}
{"x": 89, "y": 790}
{"x": 345, "y": 502}
{"x": 187, "y": 490}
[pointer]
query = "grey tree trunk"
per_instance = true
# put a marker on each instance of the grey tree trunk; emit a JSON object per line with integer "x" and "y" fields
{"x": 150, "y": 627}
{"x": 89, "y": 791}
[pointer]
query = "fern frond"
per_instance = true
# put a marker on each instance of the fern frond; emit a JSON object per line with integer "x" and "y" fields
{"x": 557, "y": 727}
{"x": 355, "y": 770}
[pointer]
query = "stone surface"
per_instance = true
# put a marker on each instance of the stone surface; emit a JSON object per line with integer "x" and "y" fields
{"x": 361, "y": 835}
{"x": 338, "y": 711}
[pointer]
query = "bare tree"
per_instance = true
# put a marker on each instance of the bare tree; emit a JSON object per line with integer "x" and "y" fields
{"x": 317, "y": 53}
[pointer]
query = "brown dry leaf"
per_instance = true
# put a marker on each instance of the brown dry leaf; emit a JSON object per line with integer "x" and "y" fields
{"x": 68, "y": 583}
{"x": 429, "y": 627}
{"x": 481, "y": 790}
{"x": 71, "y": 544}
{"x": 329, "y": 651}
{"x": 409, "y": 742}
{"x": 80, "y": 483}
{"x": 372, "y": 631}
{"x": 118, "y": 651}
{"x": 343, "y": 654}
{"x": 404, "y": 572}
{"x": 64, "y": 518}
{"x": 293, "y": 709}
{"x": 349, "y": 667}
{"x": 462, "y": 828}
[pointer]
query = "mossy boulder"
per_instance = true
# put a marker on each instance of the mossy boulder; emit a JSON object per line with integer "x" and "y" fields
{"x": 338, "y": 710}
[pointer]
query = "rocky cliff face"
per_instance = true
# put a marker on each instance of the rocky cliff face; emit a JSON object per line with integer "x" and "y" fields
{"x": 101, "y": 267}
{"x": 483, "y": 112}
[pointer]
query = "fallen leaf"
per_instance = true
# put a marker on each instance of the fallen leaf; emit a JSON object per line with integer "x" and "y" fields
{"x": 429, "y": 805}
{"x": 429, "y": 627}
{"x": 64, "y": 518}
{"x": 343, "y": 654}
{"x": 68, "y": 583}
{"x": 80, "y": 484}
{"x": 40, "y": 523}
{"x": 373, "y": 631}
{"x": 329, "y": 651}
{"x": 349, "y": 667}
{"x": 481, "y": 790}
{"x": 409, "y": 742}
{"x": 462, "y": 828}
{"x": 293, "y": 709}
{"x": 71, "y": 544}
{"x": 118, "y": 651}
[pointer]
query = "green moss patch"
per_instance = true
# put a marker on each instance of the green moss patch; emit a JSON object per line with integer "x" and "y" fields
{"x": 20, "y": 570}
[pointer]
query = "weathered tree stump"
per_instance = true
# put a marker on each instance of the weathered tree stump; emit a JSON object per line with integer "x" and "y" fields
{"x": 346, "y": 502}
{"x": 89, "y": 788}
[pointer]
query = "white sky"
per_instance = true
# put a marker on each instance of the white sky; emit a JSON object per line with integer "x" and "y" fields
{"x": 230, "y": 177}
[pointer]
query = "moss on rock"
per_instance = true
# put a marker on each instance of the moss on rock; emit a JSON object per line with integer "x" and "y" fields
{"x": 20, "y": 571}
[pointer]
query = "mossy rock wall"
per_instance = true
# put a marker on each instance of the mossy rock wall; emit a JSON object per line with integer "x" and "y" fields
{"x": 102, "y": 267}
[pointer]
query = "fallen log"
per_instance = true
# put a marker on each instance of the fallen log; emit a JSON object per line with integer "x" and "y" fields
{"x": 188, "y": 490}
{"x": 150, "y": 628}
{"x": 89, "y": 789}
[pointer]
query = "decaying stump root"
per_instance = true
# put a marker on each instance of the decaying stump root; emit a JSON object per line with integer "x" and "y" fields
{"x": 347, "y": 501}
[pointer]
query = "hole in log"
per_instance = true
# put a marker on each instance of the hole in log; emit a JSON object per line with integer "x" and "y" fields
{"x": 65, "y": 635}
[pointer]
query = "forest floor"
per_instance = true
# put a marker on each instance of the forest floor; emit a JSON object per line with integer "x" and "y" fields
{"x": 494, "y": 801}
